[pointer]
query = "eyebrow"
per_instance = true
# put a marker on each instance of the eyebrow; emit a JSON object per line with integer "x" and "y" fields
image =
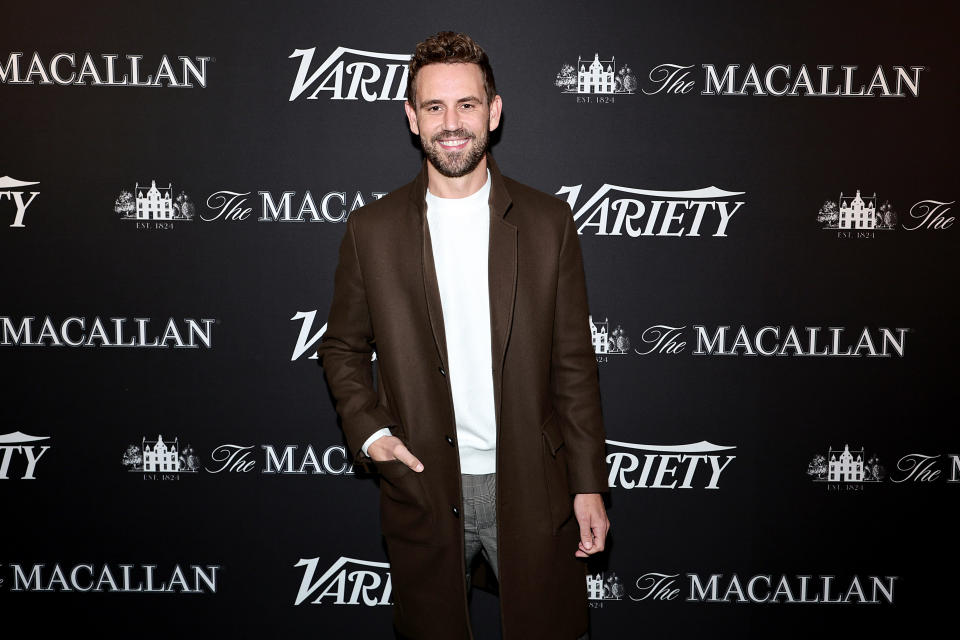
{"x": 427, "y": 103}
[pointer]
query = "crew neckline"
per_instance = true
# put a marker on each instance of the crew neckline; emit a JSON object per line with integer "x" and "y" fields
{"x": 478, "y": 194}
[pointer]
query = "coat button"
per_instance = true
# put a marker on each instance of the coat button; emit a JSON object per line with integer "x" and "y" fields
{"x": 442, "y": 372}
{"x": 456, "y": 511}
{"x": 449, "y": 441}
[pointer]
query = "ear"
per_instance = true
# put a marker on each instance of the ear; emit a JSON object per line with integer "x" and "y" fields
{"x": 412, "y": 117}
{"x": 495, "y": 109}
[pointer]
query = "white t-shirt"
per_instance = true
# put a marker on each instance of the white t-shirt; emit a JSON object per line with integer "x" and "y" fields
{"x": 460, "y": 236}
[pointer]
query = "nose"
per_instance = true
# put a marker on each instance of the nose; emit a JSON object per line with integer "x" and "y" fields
{"x": 451, "y": 120}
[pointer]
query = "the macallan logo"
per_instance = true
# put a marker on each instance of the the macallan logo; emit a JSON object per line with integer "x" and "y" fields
{"x": 13, "y": 190}
{"x": 348, "y": 581}
{"x": 766, "y": 341}
{"x": 627, "y": 211}
{"x": 159, "y": 460}
{"x": 608, "y": 342}
{"x": 288, "y": 206}
{"x": 154, "y": 207}
{"x": 846, "y": 470}
{"x": 20, "y": 453}
{"x": 77, "y": 331}
{"x": 782, "y": 80}
{"x": 861, "y": 216}
{"x": 602, "y": 587}
{"x": 596, "y": 81}
{"x": 763, "y": 589}
{"x": 121, "y": 578}
{"x": 683, "y": 466}
{"x": 104, "y": 70}
{"x": 236, "y": 458}
{"x": 351, "y": 74}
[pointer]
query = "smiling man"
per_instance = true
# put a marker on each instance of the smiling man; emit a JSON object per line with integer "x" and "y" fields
{"x": 485, "y": 420}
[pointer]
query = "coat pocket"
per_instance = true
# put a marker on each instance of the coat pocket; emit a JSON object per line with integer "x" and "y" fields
{"x": 554, "y": 456}
{"x": 405, "y": 512}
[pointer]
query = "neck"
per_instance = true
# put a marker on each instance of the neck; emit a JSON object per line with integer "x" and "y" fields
{"x": 466, "y": 185}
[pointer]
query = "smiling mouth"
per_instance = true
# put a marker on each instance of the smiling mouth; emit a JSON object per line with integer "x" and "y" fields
{"x": 453, "y": 143}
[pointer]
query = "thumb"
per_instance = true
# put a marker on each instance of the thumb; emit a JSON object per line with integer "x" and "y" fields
{"x": 403, "y": 455}
{"x": 586, "y": 535}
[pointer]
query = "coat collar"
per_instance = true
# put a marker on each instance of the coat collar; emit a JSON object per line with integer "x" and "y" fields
{"x": 501, "y": 271}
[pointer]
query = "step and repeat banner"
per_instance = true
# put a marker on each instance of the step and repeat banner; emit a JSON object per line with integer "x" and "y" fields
{"x": 766, "y": 199}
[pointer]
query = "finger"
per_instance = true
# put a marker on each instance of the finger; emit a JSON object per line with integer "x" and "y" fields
{"x": 600, "y": 536}
{"x": 403, "y": 455}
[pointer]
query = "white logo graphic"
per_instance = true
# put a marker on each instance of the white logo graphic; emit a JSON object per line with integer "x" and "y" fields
{"x": 772, "y": 340}
{"x": 305, "y": 341}
{"x": 778, "y": 80}
{"x": 157, "y": 459}
{"x": 154, "y": 207}
{"x": 62, "y": 69}
{"x": 604, "y": 586}
{"x": 371, "y": 585}
{"x": 850, "y": 468}
{"x": 859, "y": 214}
{"x": 765, "y": 589}
{"x": 125, "y": 578}
{"x": 656, "y": 213}
{"x": 682, "y": 466}
{"x": 370, "y": 78}
{"x": 235, "y": 458}
{"x": 607, "y": 342}
{"x": 333, "y": 206}
{"x": 930, "y": 215}
{"x": 7, "y": 186}
{"x": 598, "y": 77}
{"x": 73, "y": 332}
{"x": 18, "y": 442}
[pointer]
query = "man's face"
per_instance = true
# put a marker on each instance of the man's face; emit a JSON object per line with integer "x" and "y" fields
{"x": 452, "y": 116}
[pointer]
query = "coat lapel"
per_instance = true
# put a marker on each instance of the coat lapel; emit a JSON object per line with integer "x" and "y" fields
{"x": 501, "y": 270}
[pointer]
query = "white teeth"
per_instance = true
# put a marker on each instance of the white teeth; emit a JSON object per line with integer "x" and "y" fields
{"x": 452, "y": 143}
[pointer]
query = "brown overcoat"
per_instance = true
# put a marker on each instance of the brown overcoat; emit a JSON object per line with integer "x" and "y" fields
{"x": 550, "y": 436}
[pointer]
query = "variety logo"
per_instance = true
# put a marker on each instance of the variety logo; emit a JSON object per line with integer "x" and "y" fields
{"x": 333, "y": 206}
{"x": 764, "y": 589}
{"x": 618, "y": 211}
{"x": 105, "y": 70}
{"x": 682, "y": 466}
{"x": 21, "y": 444}
{"x": 603, "y": 587}
{"x": 307, "y": 342}
{"x": 74, "y": 332}
{"x": 596, "y": 81}
{"x": 10, "y": 188}
{"x": 351, "y": 74}
{"x": 122, "y": 578}
{"x": 347, "y": 581}
{"x": 154, "y": 207}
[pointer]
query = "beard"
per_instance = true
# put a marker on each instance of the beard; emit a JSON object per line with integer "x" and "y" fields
{"x": 455, "y": 164}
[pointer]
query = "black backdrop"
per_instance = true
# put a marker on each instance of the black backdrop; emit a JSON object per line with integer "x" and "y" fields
{"x": 75, "y": 516}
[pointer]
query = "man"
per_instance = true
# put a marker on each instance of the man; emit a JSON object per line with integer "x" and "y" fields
{"x": 485, "y": 421}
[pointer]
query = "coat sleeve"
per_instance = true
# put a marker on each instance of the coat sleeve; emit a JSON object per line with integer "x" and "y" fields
{"x": 574, "y": 379}
{"x": 345, "y": 352}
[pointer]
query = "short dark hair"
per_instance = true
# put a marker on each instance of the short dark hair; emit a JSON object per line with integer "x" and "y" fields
{"x": 448, "y": 47}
